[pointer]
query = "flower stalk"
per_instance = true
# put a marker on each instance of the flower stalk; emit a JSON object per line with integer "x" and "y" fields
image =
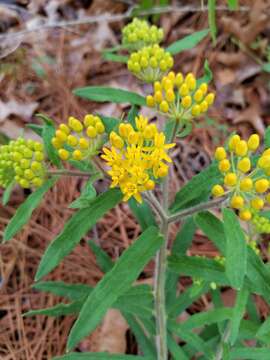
{"x": 160, "y": 281}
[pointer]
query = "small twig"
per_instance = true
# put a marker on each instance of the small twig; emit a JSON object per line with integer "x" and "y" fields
{"x": 117, "y": 17}
{"x": 194, "y": 209}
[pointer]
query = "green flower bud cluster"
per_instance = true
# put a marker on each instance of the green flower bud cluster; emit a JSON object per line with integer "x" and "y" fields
{"x": 261, "y": 224}
{"x": 23, "y": 161}
{"x": 140, "y": 33}
{"x": 150, "y": 63}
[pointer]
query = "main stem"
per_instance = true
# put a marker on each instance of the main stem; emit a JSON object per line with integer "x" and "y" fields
{"x": 160, "y": 283}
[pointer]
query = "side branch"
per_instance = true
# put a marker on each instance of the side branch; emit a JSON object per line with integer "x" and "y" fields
{"x": 194, "y": 209}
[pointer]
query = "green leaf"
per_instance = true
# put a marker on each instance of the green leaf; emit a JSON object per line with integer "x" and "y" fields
{"x": 83, "y": 165}
{"x": 59, "y": 288}
{"x": 213, "y": 228}
{"x": 24, "y": 211}
{"x": 48, "y": 132}
{"x": 257, "y": 273}
{"x": 87, "y": 195}
{"x": 138, "y": 300}
{"x": 187, "y": 298}
{"x": 143, "y": 213}
{"x": 187, "y": 42}
{"x": 207, "y": 318}
{"x": 236, "y": 249}
{"x": 77, "y": 227}
{"x": 252, "y": 310}
{"x": 233, "y": 4}
{"x": 144, "y": 339}
{"x": 36, "y": 128}
{"x": 103, "y": 94}
{"x": 110, "y": 123}
{"x": 267, "y": 137}
{"x": 99, "y": 356}
{"x": 184, "y": 237}
{"x": 46, "y": 120}
{"x": 238, "y": 313}
{"x": 176, "y": 350}
{"x": 199, "y": 185}
{"x": 57, "y": 310}
{"x": 186, "y": 131}
{"x": 133, "y": 112}
{"x": 212, "y": 19}
{"x": 114, "y": 57}
{"x": 103, "y": 260}
{"x": 266, "y": 67}
{"x": 115, "y": 283}
{"x": 181, "y": 243}
{"x": 208, "y": 75}
{"x": 198, "y": 267}
{"x": 169, "y": 129}
{"x": 264, "y": 329}
{"x": 7, "y": 193}
{"x": 192, "y": 339}
{"x": 250, "y": 353}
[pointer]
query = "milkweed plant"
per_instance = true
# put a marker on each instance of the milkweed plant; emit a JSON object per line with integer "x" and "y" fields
{"x": 134, "y": 155}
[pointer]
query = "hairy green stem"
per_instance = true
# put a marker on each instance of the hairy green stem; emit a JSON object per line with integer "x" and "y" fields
{"x": 160, "y": 281}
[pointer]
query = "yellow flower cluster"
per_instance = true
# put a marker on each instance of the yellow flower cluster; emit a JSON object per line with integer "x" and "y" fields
{"x": 23, "y": 161}
{"x": 178, "y": 97}
{"x": 247, "y": 186}
{"x": 137, "y": 157}
{"x": 77, "y": 140}
{"x": 261, "y": 223}
{"x": 139, "y": 33}
{"x": 150, "y": 63}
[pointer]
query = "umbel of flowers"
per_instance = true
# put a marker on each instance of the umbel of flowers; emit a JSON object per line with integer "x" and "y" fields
{"x": 246, "y": 184}
{"x": 137, "y": 157}
{"x": 22, "y": 161}
{"x": 150, "y": 63}
{"x": 179, "y": 97}
{"x": 79, "y": 140}
{"x": 140, "y": 33}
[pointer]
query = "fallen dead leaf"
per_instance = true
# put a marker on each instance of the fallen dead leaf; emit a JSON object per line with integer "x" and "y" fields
{"x": 13, "y": 107}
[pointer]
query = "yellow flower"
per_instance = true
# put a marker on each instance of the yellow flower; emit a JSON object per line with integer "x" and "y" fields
{"x": 142, "y": 158}
{"x": 79, "y": 140}
{"x": 243, "y": 182}
{"x": 177, "y": 97}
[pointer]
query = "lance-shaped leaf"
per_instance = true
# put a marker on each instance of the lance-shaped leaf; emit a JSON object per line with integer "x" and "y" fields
{"x": 199, "y": 185}
{"x": 250, "y": 353}
{"x": 104, "y": 94}
{"x": 77, "y": 227}
{"x": 258, "y": 275}
{"x": 236, "y": 249}
{"x": 115, "y": 283}
{"x": 24, "y": 211}
{"x": 238, "y": 313}
{"x": 188, "y": 42}
{"x": 201, "y": 268}
{"x": 48, "y": 132}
